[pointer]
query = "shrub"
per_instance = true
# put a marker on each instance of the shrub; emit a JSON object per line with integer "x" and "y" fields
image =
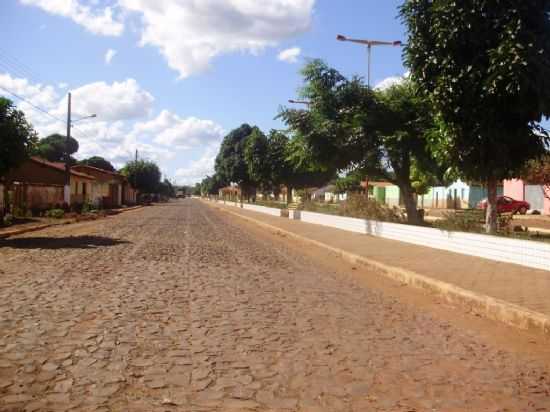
{"x": 87, "y": 207}
{"x": 358, "y": 205}
{"x": 469, "y": 220}
{"x": 472, "y": 220}
{"x": 8, "y": 219}
{"x": 316, "y": 207}
{"x": 55, "y": 213}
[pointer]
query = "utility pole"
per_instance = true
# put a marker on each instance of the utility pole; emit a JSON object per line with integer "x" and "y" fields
{"x": 67, "y": 189}
{"x": 135, "y": 177}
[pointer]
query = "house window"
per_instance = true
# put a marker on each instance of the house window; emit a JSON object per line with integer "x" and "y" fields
{"x": 83, "y": 188}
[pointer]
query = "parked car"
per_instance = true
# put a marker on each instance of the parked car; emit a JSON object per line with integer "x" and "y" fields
{"x": 506, "y": 204}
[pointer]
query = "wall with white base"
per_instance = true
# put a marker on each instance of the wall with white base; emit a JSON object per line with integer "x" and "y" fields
{"x": 522, "y": 252}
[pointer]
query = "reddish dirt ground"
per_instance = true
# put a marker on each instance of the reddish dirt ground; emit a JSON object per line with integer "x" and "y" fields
{"x": 180, "y": 307}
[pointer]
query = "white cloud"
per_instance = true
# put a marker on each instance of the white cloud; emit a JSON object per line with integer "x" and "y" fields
{"x": 290, "y": 55}
{"x": 98, "y": 21}
{"x": 110, "y": 102}
{"x": 391, "y": 81}
{"x": 115, "y": 134}
{"x": 109, "y": 56}
{"x": 62, "y": 85}
{"x": 169, "y": 129}
{"x": 198, "y": 169}
{"x": 39, "y": 95}
{"x": 190, "y": 33}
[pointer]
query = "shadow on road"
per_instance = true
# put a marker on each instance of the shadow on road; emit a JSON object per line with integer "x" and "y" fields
{"x": 71, "y": 242}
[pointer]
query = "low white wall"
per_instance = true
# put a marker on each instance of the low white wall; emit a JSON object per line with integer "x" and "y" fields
{"x": 262, "y": 209}
{"x": 522, "y": 252}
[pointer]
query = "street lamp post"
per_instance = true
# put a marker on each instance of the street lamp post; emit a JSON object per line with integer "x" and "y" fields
{"x": 67, "y": 188}
{"x": 369, "y": 44}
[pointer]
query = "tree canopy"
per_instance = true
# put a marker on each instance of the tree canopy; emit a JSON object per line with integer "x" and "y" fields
{"x": 350, "y": 127}
{"x": 230, "y": 165}
{"x": 144, "y": 175}
{"x": 211, "y": 185}
{"x": 537, "y": 171}
{"x": 17, "y": 136}
{"x": 165, "y": 188}
{"x": 99, "y": 162}
{"x": 485, "y": 66}
{"x": 256, "y": 158}
{"x": 53, "y": 147}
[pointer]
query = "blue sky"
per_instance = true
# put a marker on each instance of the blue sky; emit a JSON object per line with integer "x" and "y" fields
{"x": 182, "y": 73}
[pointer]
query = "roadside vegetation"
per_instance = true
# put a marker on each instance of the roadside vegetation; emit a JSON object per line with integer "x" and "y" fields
{"x": 471, "y": 108}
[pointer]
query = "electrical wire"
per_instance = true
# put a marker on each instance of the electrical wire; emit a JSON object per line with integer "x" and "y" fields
{"x": 43, "y": 111}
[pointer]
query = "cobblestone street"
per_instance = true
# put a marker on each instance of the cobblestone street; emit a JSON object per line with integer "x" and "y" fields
{"x": 179, "y": 307}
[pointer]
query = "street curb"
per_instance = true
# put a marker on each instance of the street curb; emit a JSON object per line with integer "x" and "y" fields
{"x": 487, "y": 306}
{"x": 4, "y": 235}
{"x": 15, "y": 232}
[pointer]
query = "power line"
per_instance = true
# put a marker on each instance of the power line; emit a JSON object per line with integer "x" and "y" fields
{"x": 43, "y": 111}
{"x": 20, "y": 67}
{"x": 32, "y": 104}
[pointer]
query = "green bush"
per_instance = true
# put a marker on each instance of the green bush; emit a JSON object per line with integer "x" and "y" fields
{"x": 328, "y": 208}
{"x": 473, "y": 221}
{"x": 8, "y": 219}
{"x": 87, "y": 207}
{"x": 359, "y": 206}
{"x": 55, "y": 213}
{"x": 469, "y": 220}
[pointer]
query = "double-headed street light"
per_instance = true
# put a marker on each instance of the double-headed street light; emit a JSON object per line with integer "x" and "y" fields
{"x": 369, "y": 44}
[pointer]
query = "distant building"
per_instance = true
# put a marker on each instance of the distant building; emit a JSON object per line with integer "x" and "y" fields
{"x": 459, "y": 195}
{"x": 535, "y": 195}
{"x": 110, "y": 189}
{"x": 38, "y": 184}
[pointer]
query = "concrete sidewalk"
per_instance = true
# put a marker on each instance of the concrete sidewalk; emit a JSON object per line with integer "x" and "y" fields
{"x": 524, "y": 287}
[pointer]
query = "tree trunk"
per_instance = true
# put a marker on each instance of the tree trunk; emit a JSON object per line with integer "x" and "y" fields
{"x": 288, "y": 195}
{"x": 413, "y": 215}
{"x": 491, "y": 212}
{"x": 4, "y": 205}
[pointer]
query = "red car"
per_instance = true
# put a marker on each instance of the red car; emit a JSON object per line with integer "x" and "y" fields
{"x": 506, "y": 204}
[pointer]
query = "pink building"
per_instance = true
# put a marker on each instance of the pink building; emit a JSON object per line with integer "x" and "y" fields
{"x": 534, "y": 194}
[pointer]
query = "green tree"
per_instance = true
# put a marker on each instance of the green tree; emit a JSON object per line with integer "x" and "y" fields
{"x": 302, "y": 170}
{"x": 485, "y": 65}
{"x": 277, "y": 159}
{"x": 99, "y": 162}
{"x": 17, "y": 136}
{"x": 210, "y": 185}
{"x": 165, "y": 188}
{"x": 256, "y": 158}
{"x": 196, "y": 190}
{"x": 348, "y": 127}
{"x": 144, "y": 175}
{"x": 53, "y": 148}
{"x": 230, "y": 162}
{"x": 351, "y": 182}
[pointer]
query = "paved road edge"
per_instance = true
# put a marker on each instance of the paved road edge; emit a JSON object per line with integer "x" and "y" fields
{"x": 487, "y": 306}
